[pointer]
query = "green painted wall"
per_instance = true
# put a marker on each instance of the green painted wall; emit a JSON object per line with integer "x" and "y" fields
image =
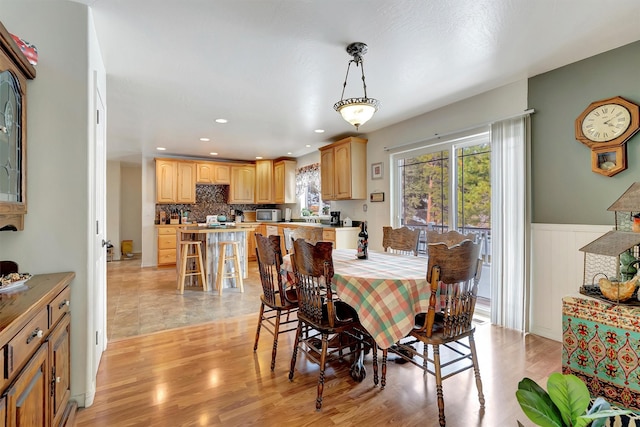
{"x": 564, "y": 189}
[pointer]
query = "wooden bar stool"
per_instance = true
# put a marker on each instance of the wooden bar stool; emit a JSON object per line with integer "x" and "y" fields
{"x": 191, "y": 249}
{"x": 222, "y": 263}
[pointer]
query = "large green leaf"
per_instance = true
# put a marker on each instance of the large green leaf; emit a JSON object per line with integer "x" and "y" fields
{"x": 537, "y": 405}
{"x": 570, "y": 395}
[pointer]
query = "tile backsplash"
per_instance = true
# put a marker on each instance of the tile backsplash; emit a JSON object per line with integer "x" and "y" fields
{"x": 210, "y": 200}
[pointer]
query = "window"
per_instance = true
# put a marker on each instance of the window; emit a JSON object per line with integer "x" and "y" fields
{"x": 308, "y": 191}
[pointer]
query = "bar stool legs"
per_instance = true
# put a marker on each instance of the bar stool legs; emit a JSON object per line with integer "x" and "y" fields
{"x": 222, "y": 264}
{"x": 191, "y": 250}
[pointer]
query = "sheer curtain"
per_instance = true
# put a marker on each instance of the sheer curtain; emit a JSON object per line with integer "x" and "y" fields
{"x": 510, "y": 223}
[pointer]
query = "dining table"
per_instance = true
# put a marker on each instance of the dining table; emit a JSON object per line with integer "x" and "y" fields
{"x": 387, "y": 290}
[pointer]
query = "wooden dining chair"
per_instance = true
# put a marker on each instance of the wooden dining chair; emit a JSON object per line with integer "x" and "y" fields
{"x": 451, "y": 237}
{"x": 278, "y": 304}
{"x": 400, "y": 240}
{"x": 310, "y": 234}
{"x": 328, "y": 329}
{"x": 454, "y": 271}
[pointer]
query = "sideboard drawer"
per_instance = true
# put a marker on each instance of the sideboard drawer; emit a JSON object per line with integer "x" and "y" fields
{"x": 59, "y": 306}
{"x": 25, "y": 343}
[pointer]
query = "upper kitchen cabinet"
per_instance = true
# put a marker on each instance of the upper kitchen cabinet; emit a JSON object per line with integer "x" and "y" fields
{"x": 213, "y": 173}
{"x": 175, "y": 181}
{"x": 242, "y": 187}
{"x": 15, "y": 70}
{"x": 264, "y": 181}
{"x": 284, "y": 180}
{"x": 343, "y": 169}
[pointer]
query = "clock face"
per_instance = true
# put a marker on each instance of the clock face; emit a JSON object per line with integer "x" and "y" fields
{"x": 606, "y": 122}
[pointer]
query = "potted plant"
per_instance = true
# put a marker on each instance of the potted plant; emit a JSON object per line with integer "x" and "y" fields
{"x": 566, "y": 404}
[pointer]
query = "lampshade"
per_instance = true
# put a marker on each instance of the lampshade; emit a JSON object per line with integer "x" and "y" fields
{"x": 356, "y": 111}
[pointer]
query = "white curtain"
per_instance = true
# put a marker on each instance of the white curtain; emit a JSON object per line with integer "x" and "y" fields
{"x": 509, "y": 228}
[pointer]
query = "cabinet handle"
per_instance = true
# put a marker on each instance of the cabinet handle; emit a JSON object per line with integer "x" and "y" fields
{"x": 57, "y": 379}
{"x": 39, "y": 333}
{"x": 63, "y": 303}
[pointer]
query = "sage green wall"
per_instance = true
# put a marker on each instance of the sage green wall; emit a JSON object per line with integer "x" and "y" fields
{"x": 564, "y": 189}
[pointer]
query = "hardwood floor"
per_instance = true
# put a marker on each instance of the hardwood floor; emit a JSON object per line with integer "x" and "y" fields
{"x": 208, "y": 375}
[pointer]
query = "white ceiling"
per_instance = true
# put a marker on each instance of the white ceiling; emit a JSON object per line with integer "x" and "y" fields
{"x": 274, "y": 68}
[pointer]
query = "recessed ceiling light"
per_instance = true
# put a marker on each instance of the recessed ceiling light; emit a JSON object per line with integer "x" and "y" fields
{"x": 258, "y": 157}
{"x": 319, "y": 131}
{"x": 160, "y": 148}
{"x": 308, "y": 145}
{"x": 205, "y": 139}
{"x": 221, "y": 120}
{"x": 289, "y": 153}
{"x": 214, "y": 154}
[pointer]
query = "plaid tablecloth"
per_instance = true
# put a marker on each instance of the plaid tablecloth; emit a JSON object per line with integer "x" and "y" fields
{"x": 387, "y": 291}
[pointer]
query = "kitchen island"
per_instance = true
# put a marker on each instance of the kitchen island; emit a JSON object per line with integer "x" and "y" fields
{"x": 211, "y": 236}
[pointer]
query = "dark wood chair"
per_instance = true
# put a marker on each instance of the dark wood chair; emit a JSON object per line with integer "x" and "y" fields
{"x": 451, "y": 238}
{"x": 456, "y": 271}
{"x": 7, "y": 267}
{"x": 328, "y": 329}
{"x": 278, "y": 304}
{"x": 400, "y": 240}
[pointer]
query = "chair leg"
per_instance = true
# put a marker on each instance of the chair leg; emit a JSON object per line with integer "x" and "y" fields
{"x": 425, "y": 359}
{"x": 476, "y": 369}
{"x": 276, "y": 331}
{"x": 323, "y": 360}
{"x": 220, "y": 272}
{"x": 383, "y": 381}
{"x": 260, "y": 318}
{"x": 203, "y": 278}
{"x": 436, "y": 363}
{"x": 183, "y": 270}
{"x": 236, "y": 263}
{"x": 374, "y": 350}
{"x": 294, "y": 354}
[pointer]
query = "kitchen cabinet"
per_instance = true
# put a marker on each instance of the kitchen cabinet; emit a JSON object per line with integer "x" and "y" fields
{"x": 251, "y": 244}
{"x": 212, "y": 173}
{"x": 167, "y": 244}
{"x": 264, "y": 181}
{"x": 343, "y": 169}
{"x": 242, "y": 187}
{"x": 35, "y": 339}
{"x": 284, "y": 181}
{"x": 15, "y": 70}
{"x": 175, "y": 181}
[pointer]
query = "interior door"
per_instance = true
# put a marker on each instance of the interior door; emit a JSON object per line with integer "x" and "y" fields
{"x": 100, "y": 260}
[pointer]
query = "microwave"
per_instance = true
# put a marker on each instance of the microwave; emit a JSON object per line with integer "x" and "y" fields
{"x": 268, "y": 215}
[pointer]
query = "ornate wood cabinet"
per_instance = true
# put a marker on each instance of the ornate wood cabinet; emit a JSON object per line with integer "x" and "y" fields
{"x": 15, "y": 69}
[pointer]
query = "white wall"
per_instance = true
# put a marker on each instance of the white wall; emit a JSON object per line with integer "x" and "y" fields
{"x": 113, "y": 206}
{"x": 57, "y": 227}
{"x": 131, "y": 204}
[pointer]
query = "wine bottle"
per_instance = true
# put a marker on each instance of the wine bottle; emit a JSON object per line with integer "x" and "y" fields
{"x": 363, "y": 241}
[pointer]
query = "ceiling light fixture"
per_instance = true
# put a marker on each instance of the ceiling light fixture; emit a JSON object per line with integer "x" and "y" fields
{"x": 160, "y": 148}
{"x": 221, "y": 120}
{"x": 319, "y": 131}
{"x": 356, "y": 111}
{"x": 205, "y": 139}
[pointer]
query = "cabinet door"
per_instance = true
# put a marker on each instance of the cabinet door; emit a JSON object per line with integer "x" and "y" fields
{"x": 264, "y": 181}
{"x": 166, "y": 181}
{"x": 186, "y": 182}
{"x": 242, "y": 187}
{"x": 28, "y": 397}
{"x": 342, "y": 171}
{"x": 284, "y": 180}
{"x": 326, "y": 174}
{"x": 204, "y": 173}
{"x": 59, "y": 358}
{"x": 221, "y": 174}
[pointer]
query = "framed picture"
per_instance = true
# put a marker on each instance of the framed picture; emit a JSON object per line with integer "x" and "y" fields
{"x": 376, "y": 197}
{"x": 376, "y": 170}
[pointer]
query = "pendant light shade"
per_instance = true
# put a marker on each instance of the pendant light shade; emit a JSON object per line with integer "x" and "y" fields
{"x": 356, "y": 111}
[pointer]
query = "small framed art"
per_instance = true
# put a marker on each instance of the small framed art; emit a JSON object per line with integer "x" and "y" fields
{"x": 376, "y": 197}
{"x": 376, "y": 171}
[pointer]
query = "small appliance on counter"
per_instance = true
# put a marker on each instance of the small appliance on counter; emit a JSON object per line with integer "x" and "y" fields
{"x": 268, "y": 215}
{"x": 347, "y": 222}
{"x": 335, "y": 218}
{"x": 287, "y": 215}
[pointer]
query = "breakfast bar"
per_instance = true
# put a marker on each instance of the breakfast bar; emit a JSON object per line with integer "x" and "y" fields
{"x": 211, "y": 237}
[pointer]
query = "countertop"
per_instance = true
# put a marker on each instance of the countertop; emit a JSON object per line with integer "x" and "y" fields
{"x": 255, "y": 224}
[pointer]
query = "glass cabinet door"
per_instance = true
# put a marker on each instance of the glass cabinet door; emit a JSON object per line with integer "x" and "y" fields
{"x": 10, "y": 139}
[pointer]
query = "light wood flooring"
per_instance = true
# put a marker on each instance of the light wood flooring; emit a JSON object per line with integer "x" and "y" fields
{"x": 208, "y": 375}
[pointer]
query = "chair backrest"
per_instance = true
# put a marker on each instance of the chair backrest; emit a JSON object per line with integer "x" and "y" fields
{"x": 313, "y": 271}
{"x": 310, "y": 234}
{"x": 7, "y": 267}
{"x": 455, "y": 272}
{"x": 450, "y": 237}
{"x": 400, "y": 240}
{"x": 269, "y": 260}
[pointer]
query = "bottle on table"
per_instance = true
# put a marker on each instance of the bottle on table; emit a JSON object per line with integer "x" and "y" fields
{"x": 363, "y": 241}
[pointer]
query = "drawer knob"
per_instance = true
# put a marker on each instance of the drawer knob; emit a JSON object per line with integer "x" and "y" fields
{"x": 63, "y": 303}
{"x": 39, "y": 333}
{"x": 57, "y": 379}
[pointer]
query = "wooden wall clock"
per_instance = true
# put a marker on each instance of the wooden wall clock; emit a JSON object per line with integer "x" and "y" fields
{"x": 605, "y": 126}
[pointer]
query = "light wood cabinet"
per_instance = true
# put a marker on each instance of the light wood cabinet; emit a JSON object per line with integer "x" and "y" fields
{"x": 175, "y": 181}
{"x": 167, "y": 243}
{"x": 36, "y": 343}
{"x": 212, "y": 173}
{"x": 284, "y": 180}
{"x": 264, "y": 181}
{"x": 343, "y": 169}
{"x": 242, "y": 187}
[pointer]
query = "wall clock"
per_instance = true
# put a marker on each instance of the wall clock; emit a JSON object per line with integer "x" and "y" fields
{"x": 605, "y": 126}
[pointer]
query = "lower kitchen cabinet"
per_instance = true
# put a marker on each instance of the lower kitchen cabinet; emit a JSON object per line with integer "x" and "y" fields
{"x": 167, "y": 243}
{"x": 36, "y": 342}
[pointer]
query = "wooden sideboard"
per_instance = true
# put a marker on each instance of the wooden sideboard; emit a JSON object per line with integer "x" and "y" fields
{"x": 35, "y": 337}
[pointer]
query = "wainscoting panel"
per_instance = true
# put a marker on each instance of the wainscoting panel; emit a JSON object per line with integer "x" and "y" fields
{"x": 557, "y": 267}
